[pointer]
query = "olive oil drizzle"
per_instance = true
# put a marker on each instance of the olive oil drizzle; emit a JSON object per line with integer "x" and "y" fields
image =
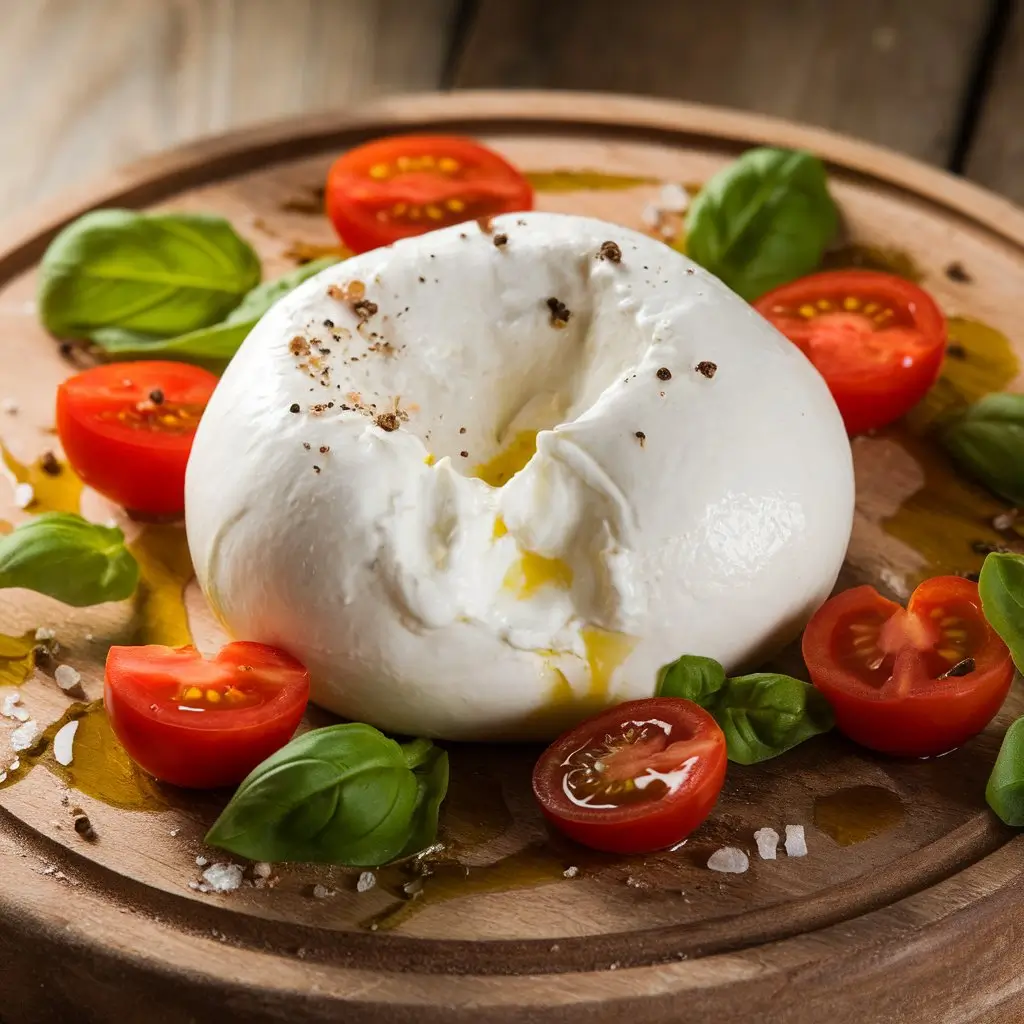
{"x": 586, "y": 181}
{"x": 165, "y": 568}
{"x": 55, "y": 488}
{"x": 16, "y": 658}
{"x": 858, "y": 813}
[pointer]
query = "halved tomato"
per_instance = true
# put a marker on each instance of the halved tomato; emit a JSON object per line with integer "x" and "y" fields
{"x": 877, "y": 339}
{"x": 200, "y": 722}
{"x": 635, "y": 778}
{"x": 410, "y": 184}
{"x": 914, "y": 682}
{"x": 127, "y": 430}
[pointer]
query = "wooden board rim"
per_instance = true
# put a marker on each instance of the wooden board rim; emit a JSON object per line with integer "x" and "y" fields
{"x": 158, "y": 177}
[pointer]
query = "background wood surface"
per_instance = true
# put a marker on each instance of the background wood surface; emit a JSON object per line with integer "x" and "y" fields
{"x": 86, "y": 85}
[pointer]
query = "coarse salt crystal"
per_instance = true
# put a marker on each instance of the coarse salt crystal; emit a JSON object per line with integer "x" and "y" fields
{"x": 23, "y": 495}
{"x": 223, "y": 877}
{"x": 796, "y": 841}
{"x": 571, "y": 872}
{"x": 9, "y": 406}
{"x": 3, "y": 777}
{"x": 43, "y": 634}
{"x": 68, "y": 679}
{"x": 366, "y": 881}
{"x": 201, "y": 862}
{"x": 651, "y": 215}
{"x": 674, "y": 198}
{"x": 10, "y": 709}
{"x": 321, "y": 892}
{"x": 24, "y": 736}
{"x": 767, "y": 840}
{"x": 729, "y": 860}
{"x": 261, "y": 869}
{"x": 14, "y": 765}
{"x": 63, "y": 743}
{"x": 174, "y": 831}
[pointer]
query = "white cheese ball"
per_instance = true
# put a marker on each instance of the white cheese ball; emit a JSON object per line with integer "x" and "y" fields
{"x": 691, "y": 490}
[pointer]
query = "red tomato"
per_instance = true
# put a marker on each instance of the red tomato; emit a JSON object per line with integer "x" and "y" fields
{"x": 200, "y": 722}
{"x": 914, "y": 682}
{"x": 410, "y": 184}
{"x": 127, "y": 430}
{"x": 635, "y": 778}
{"x": 877, "y": 339}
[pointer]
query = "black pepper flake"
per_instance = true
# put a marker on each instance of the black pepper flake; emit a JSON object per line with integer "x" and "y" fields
{"x": 641, "y": 437}
{"x": 956, "y": 272}
{"x": 316, "y": 469}
{"x": 324, "y": 449}
{"x": 294, "y": 407}
{"x": 83, "y": 826}
{"x": 690, "y": 270}
{"x": 48, "y": 464}
{"x": 306, "y": 445}
{"x": 364, "y": 309}
{"x": 560, "y": 314}
{"x": 462, "y": 430}
{"x": 329, "y": 324}
{"x": 465, "y": 455}
{"x": 610, "y": 251}
{"x": 982, "y": 547}
{"x": 500, "y": 241}
{"x": 388, "y": 421}
{"x": 156, "y": 396}
{"x": 956, "y": 351}
{"x": 664, "y": 373}
{"x": 66, "y": 348}
{"x": 707, "y": 368}
{"x": 423, "y": 280}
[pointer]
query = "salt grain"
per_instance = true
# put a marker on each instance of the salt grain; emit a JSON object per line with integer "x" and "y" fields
{"x": 674, "y": 198}
{"x": 201, "y": 862}
{"x": 23, "y": 495}
{"x": 3, "y": 777}
{"x": 571, "y": 872}
{"x": 14, "y": 765}
{"x": 25, "y": 736}
{"x": 223, "y": 877}
{"x": 174, "y": 832}
{"x": 69, "y": 680}
{"x": 63, "y": 743}
{"x": 261, "y": 869}
{"x": 767, "y": 840}
{"x": 729, "y": 860}
{"x": 44, "y": 635}
{"x": 796, "y": 841}
{"x": 10, "y": 709}
{"x": 651, "y": 216}
{"x": 321, "y": 892}
{"x": 366, "y": 881}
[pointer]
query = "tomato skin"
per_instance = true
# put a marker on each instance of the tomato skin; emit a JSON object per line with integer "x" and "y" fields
{"x": 110, "y": 430}
{"x": 406, "y": 185}
{"x": 902, "y": 708}
{"x": 639, "y": 827}
{"x": 876, "y": 371}
{"x": 193, "y": 750}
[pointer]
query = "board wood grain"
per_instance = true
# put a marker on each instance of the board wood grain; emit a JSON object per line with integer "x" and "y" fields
{"x": 915, "y": 923}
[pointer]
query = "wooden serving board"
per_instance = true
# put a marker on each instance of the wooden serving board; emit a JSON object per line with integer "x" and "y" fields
{"x": 904, "y": 908}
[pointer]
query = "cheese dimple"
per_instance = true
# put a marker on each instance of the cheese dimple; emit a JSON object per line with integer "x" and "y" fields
{"x": 503, "y": 547}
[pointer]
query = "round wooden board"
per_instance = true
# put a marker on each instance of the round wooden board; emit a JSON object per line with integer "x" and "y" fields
{"x": 914, "y": 924}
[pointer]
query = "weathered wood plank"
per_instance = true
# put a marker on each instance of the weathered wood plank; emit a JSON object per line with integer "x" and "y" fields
{"x": 86, "y": 85}
{"x": 892, "y": 71}
{"x": 996, "y": 157}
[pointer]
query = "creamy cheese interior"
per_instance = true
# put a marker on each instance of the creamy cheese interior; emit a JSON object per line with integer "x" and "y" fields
{"x": 488, "y": 480}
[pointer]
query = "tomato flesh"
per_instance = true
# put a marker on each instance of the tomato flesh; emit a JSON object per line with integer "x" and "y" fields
{"x": 203, "y": 723}
{"x": 127, "y": 430}
{"x": 912, "y": 682}
{"x": 636, "y": 778}
{"x": 877, "y": 339}
{"x": 409, "y": 184}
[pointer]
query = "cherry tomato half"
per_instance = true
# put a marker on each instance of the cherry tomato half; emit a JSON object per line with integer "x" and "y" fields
{"x": 636, "y": 778}
{"x": 127, "y": 430}
{"x": 914, "y": 682}
{"x": 410, "y": 184}
{"x": 877, "y": 339}
{"x": 199, "y": 722}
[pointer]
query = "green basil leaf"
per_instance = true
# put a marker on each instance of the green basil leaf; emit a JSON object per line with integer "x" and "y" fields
{"x": 68, "y": 558}
{"x": 987, "y": 442}
{"x": 156, "y": 274}
{"x": 1001, "y": 588}
{"x": 765, "y": 714}
{"x": 431, "y": 771}
{"x": 763, "y": 220}
{"x": 1005, "y": 789}
{"x": 211, "y": 345}
{"x": 692, "y": 678}
{"x": 340, "y": 795}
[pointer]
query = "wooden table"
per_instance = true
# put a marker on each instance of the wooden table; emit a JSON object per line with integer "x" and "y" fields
{"x": 86, "y": 85}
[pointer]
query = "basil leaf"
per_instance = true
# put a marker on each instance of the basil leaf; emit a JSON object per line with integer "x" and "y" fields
{"x": 216, "y": 344}
{"x": 1005, "y": 789}
{"x": 763, "y": 220}
{"x": 158, "y": 274}
{"x": 987, "y": 441}
{"x": 691, "y": 678}
{"x": 766, "y": 714}
{"x": 68, "y": 558}
{"x": 345, "y": 794}
{"x": 1001, "y": 588}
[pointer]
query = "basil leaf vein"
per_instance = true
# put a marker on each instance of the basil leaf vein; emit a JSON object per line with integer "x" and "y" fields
{"x": 66, "y": 557}
{"x": 1005, "y": 789}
